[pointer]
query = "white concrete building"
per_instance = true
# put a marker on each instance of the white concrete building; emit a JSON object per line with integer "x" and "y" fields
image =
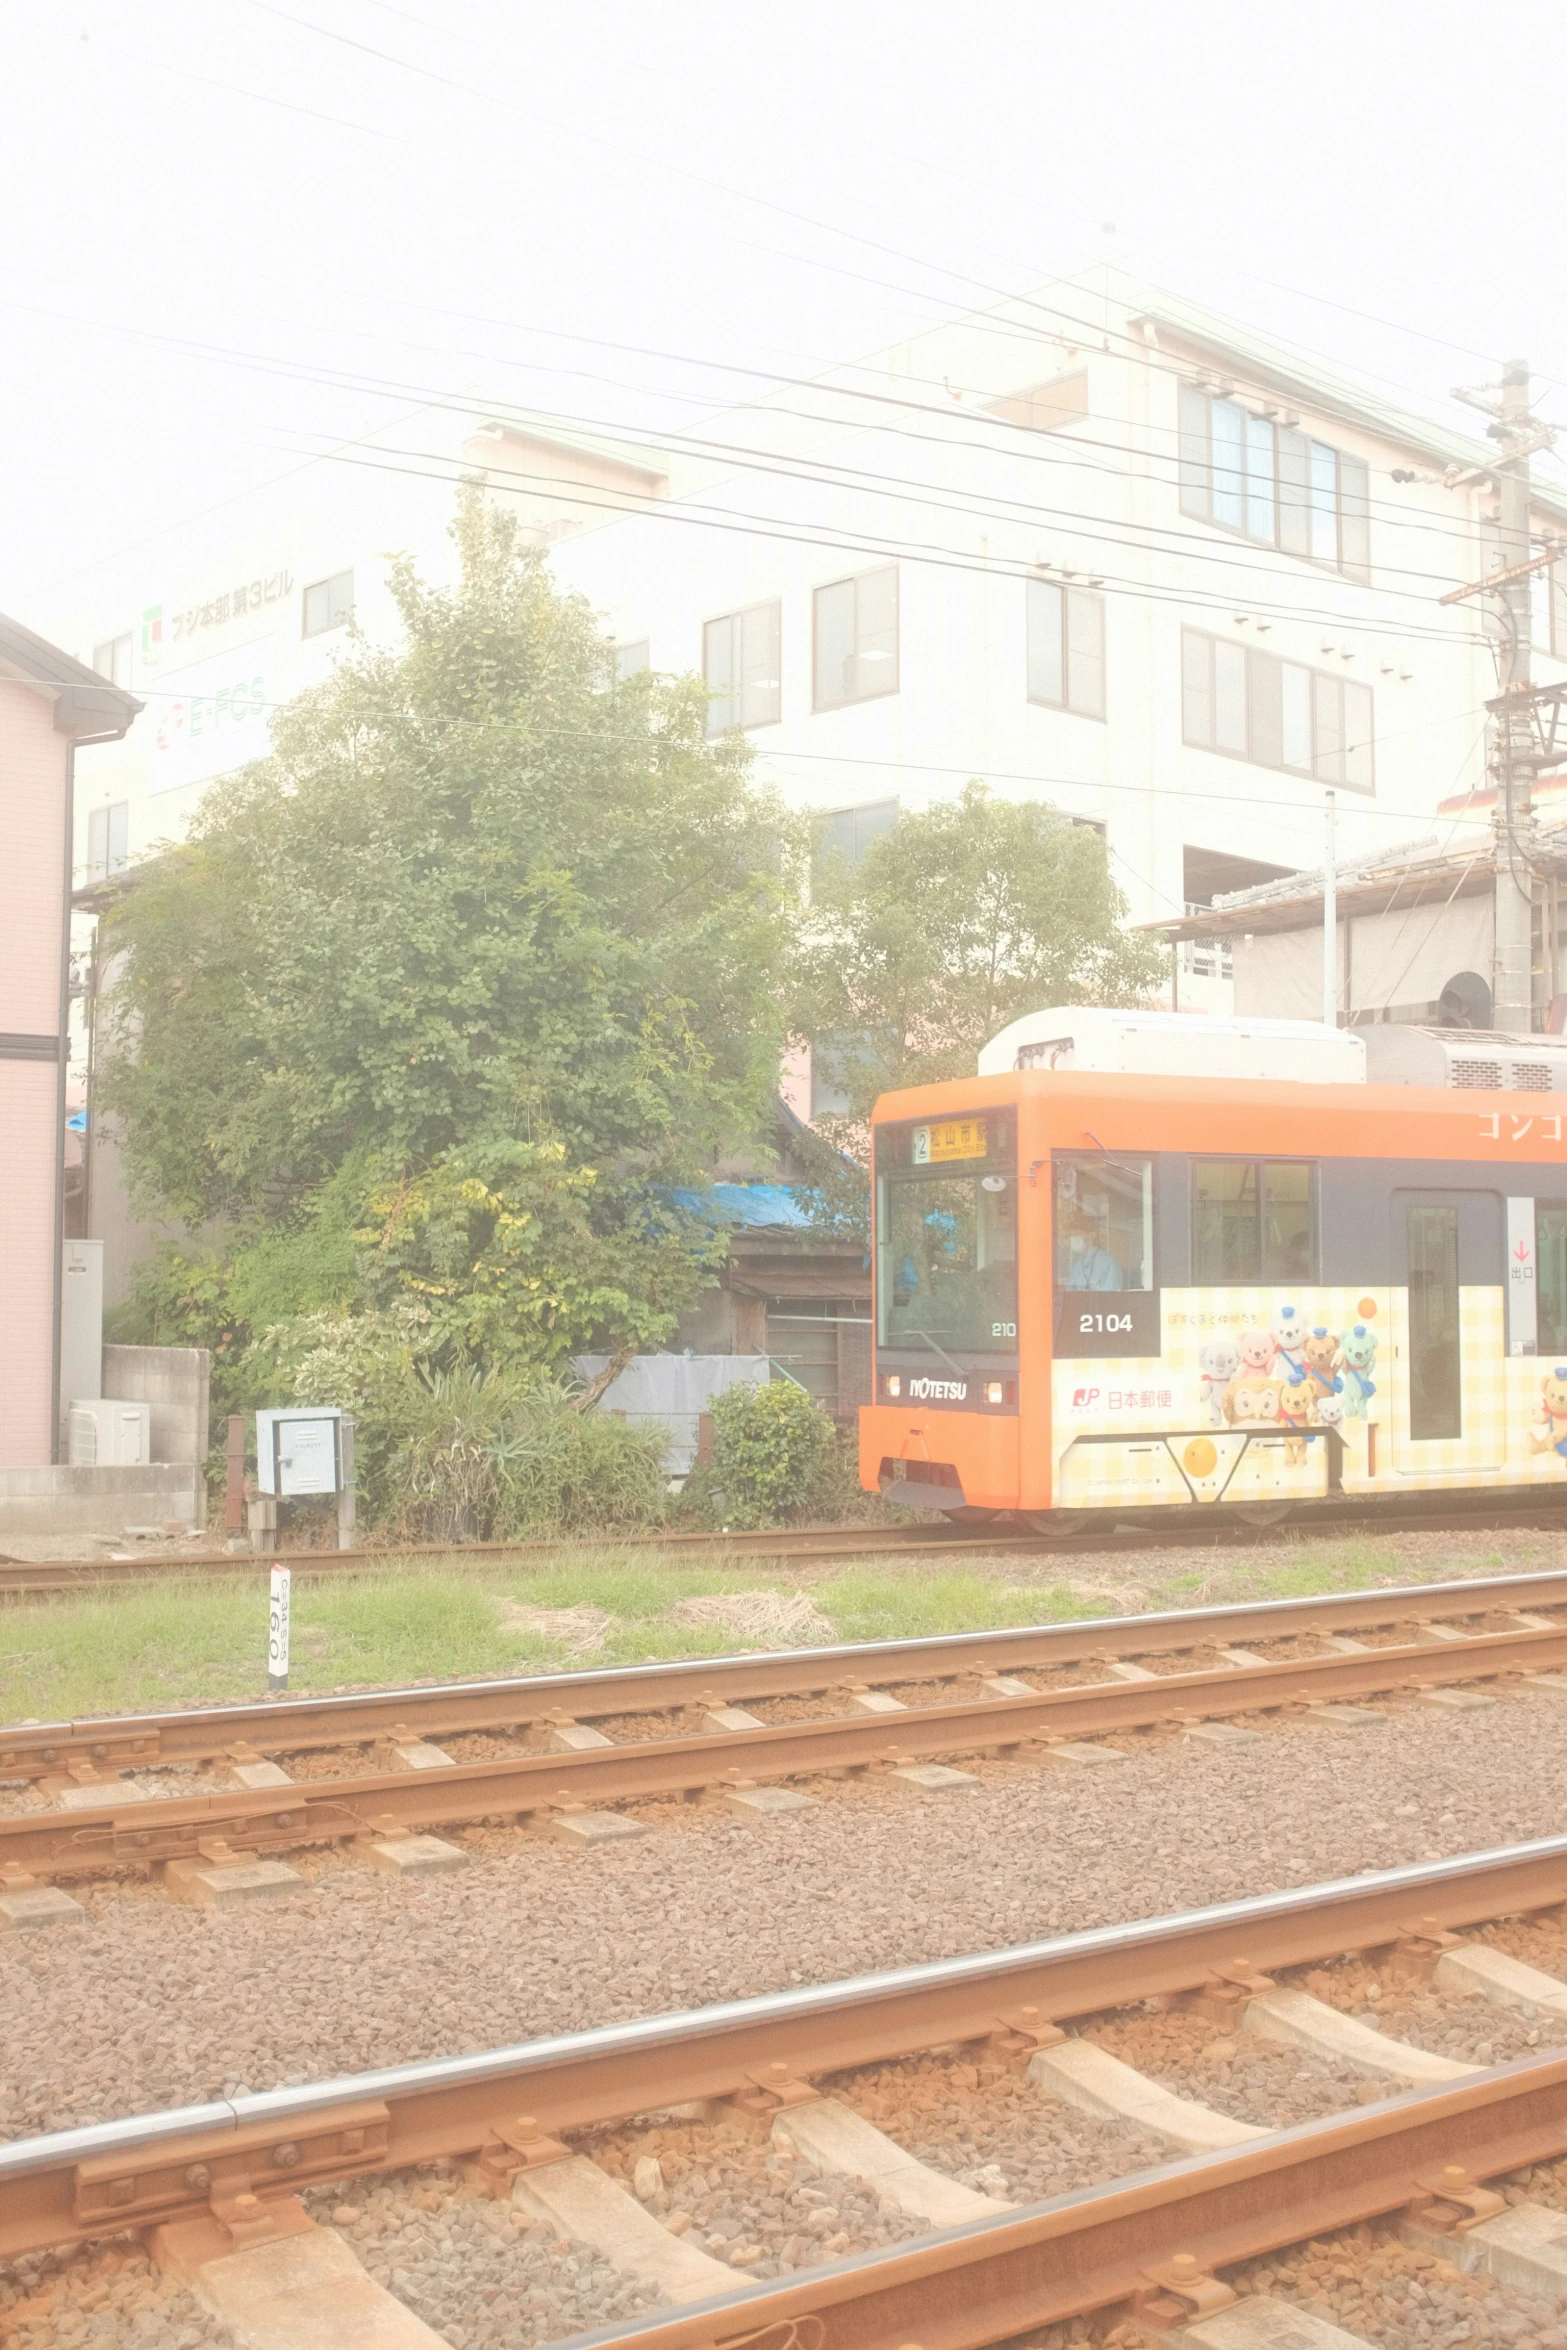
{"x": 1101, "y": 549}
{"x": 1097, "y": 548}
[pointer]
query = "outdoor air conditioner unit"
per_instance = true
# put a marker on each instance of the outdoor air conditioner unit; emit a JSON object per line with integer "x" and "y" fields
{"x": 105, "y": 1434}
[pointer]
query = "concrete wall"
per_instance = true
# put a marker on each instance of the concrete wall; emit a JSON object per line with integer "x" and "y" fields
{"x": 45, "y": 1501}
{"x": 174, "y": 1382}
{"x": 34, "y": 818}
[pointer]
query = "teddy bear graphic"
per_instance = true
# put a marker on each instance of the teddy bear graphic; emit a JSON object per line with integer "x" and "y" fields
{"x": 1256, "y": 1352}
{"x": 1217, "y": 1363}
{"x": 1357, "y": 1360}
{"x": 1288, "y": 1335}
{"x": 1330, "y": 1410}
{"x": 1296, "y": 1409}
{"x": 1553, "y": 1410}
{"x": 1320, "y": 1351}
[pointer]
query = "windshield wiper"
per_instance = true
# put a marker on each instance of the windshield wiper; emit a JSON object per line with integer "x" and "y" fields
{"x": 941, "y": 1350}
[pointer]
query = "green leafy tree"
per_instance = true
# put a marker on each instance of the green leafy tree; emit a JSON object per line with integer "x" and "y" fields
{"x": 955, "y": 922}
{"x": 443, "y": 998}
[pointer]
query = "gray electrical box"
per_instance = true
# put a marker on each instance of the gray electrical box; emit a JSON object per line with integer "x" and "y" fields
{"x": 81, "y": 1325}
{"x": 300, "y": 1451}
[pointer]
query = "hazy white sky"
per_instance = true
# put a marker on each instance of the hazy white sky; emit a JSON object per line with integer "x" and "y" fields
{"x": 244, "y": 229}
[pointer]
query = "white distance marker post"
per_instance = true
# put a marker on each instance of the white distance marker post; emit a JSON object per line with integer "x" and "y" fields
{"x": 277, "y": 1631}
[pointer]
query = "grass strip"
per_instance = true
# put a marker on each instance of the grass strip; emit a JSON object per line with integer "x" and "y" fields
{"x": 198, "y": 1638}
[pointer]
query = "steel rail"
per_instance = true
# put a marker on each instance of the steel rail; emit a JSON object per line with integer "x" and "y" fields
{"x": 95, "y": 1837}
{"x": 1104, "y": 2246}
{"x": 299, "y": 1724}
{"x": 1515, "y": 1509}
{"x": 74, "y": 2184}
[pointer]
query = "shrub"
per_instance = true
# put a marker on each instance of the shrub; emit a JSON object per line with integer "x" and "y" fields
{"x": 769, "y": 1446}
{"x": 485, "y": 1457}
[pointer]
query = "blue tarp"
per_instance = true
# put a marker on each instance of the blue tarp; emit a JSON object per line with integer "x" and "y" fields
{"x": 748, "y": 1203}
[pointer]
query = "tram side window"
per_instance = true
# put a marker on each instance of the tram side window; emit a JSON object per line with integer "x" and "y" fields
{"x": 1550, "y": 1241}
{"x": 1252, "y": 1220}
{"x": 1104, "y": 1223}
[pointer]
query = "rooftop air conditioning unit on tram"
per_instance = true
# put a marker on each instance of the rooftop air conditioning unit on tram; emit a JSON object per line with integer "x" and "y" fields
{"x": 1176, "y": 1044}
{"x": 1483, "y": 1059}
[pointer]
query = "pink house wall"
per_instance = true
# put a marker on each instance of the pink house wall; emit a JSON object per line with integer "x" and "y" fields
{"x": 34, "y": 765}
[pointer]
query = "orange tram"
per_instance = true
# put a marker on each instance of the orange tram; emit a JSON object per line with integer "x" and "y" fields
{"x": 1109, "y": 1280}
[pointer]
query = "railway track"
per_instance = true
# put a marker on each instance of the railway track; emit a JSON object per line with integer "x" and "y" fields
{"x": 224, "y": 2190}
{"x": 686, "y": 1730}
{"x": 1515, "y": 1512}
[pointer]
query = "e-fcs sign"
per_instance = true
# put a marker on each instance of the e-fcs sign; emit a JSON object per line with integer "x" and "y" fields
{"x": 210, "y": 718}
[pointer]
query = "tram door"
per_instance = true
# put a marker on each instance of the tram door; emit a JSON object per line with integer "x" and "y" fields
{"x": 1449, "y": 1346}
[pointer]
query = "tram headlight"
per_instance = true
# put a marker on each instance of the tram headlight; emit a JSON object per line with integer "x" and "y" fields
{"x": 995, "y": 1391}
{"x": 894, "y": 1385}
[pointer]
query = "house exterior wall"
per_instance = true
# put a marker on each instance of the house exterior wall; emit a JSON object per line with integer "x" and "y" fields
{"x": 1405, "y": 956}
{"x": 34, "y": 767}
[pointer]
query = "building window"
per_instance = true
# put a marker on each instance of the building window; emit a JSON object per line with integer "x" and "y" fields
{"x": 631, "y": 660}
{"x": 1252, "y": 1220}
{"x": 113, "y": 660}
{"x": 1066, "y": 648}
{"x": 108, "y": 839}
{"x": 741, "y": 667}
{"x": 848, "y": 832}
{"x": 1254, "y": 705}
{"x": 1273, "y": 483}
{"x": 856, "y": 639}
{"x": 1046, "y": 407}
{"x": 329, "y": 604}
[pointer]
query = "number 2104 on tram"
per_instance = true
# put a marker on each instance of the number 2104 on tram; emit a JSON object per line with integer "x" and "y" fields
{"x": 1123, "y": 1271}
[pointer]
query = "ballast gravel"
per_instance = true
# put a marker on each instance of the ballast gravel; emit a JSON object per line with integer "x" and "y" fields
{"x": 984, "y": 2125}
{"x": 741, "y": 2200}
{"x": 149, "y": 2004}
{"x": 1372, "y": 2285}
{"x": 1238, "y": 2073}
{"x": 1471, "y": 2030}
{"x": 111, "y": 2298}
{"x": 474, "y": 2269}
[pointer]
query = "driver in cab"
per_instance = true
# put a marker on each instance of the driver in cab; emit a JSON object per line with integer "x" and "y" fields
{"x": 1088, "y": 1265}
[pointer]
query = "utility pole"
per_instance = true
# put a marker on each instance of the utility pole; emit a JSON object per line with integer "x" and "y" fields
{"x": 1330, "y": 918}
{"x": 1518, "y": 740}
{"x": 1513, "y": 825}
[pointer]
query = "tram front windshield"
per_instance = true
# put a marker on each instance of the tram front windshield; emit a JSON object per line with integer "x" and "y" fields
{"x": 946, "y": 1275}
